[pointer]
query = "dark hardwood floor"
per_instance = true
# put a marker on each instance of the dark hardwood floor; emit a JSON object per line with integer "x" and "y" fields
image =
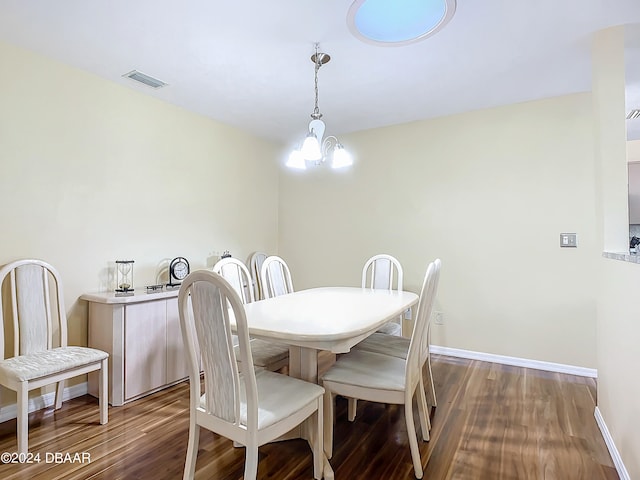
{"x": 492, "y": 422}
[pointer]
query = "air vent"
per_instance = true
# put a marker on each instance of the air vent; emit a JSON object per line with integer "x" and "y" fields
{"x": 633, "y": 114}
{"x": 146, "y": 79}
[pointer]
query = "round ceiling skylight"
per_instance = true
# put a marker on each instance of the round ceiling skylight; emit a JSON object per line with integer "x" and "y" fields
{"x": 382, "y": 22}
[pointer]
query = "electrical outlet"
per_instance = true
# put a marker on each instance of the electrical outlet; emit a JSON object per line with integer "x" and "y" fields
{"x": 438, "y": 318}
{"x": 407, "y": 314}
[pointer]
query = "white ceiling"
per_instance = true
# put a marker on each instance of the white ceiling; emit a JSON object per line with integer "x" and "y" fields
{"x": 246, "y": 63}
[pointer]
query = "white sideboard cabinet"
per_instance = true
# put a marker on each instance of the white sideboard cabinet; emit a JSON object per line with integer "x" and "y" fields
{"x": 142, "y": 334}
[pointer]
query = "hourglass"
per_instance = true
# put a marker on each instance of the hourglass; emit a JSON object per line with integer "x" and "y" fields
{"x": 124, "y": 277}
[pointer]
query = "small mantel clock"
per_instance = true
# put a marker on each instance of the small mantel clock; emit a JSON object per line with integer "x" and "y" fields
{"x": 178, "y": 270}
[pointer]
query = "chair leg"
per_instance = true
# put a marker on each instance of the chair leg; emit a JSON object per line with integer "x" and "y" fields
{"x": 192, "y": 449}
{"x": 328, "y": 422}
{"x": 22, "y": 418}
{"x": 59, "y": 393}
{"x": 423, "y": 412}
{"x": 251, "y": 461}
{"x": 103, "y": 391}
{"x": 351, "y": 408}
{"x": 318, "y": 444}
{"x": 411, "y": 433}
{"x": 433, "y": 388}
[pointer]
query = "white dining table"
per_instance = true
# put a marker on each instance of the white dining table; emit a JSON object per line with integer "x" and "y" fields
{"x": 328, "y": 318}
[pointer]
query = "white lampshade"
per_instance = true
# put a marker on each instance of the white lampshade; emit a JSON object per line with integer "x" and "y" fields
{"x": 341, "y": 158}
{"x": 296, "y": 160}
{"x": 311, "y": 147}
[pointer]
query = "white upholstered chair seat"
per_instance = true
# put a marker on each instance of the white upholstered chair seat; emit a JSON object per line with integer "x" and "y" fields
{"x": 269, "y": 355}
{"x": 279, "y": 397}
{"x": 47, "y": 362}
{"x": 398, "y": 347}
{"x": 391, "y": 328}
{"x": 371, "y": 370}
{"x": 381, "y": 343}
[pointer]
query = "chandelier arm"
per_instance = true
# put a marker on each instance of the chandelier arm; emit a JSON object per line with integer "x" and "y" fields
{"x": 326, "y": 144}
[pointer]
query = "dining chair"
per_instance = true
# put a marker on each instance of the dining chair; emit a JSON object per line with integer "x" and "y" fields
{"x": 41, "y": 355}
{"x": 399, "y": 346}
{"x": 251, "y": 407}
{"x": 255, "y": 261}
{"x": 276, "y": 277}
{"x": 269, "y": 355}
{"x": 384, "y": 271}
{"x": 377, "y": 377}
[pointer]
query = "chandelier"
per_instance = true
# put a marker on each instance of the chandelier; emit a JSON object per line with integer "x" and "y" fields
{"x": 316, "y": 148}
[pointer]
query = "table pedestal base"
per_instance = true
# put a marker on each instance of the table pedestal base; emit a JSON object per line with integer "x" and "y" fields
{"x": 303, "y": 364}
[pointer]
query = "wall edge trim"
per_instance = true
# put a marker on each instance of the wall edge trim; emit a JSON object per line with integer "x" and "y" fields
{"x": 611, "y": 446}
{"x": 516, "y": 361}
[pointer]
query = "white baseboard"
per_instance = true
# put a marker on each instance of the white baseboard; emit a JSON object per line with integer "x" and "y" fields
{"x": 613, "y": 451}
{"x": 8, "y": 412}
{"x": 516, "y": 361}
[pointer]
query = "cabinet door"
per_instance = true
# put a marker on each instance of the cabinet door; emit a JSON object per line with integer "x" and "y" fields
{"x": 176, "y": 358}
{"x": 145, "y": 347}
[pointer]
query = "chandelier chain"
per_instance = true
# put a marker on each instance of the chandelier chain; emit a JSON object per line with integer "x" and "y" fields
{"x": 317, "y": 61}
{"x": 316, "y": 110}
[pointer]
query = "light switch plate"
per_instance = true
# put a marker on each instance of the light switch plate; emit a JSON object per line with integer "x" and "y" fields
{"x": 568, "y": 240}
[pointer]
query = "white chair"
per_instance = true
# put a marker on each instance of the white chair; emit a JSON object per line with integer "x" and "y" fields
{"x": 255, "y": 261}
{"x": 250, "y": 407}
{"x": 269, "y": 355}
{"x": 236, "y": 273}
{"x": 41, "y": 355}
{"x": 387, "y": 379}
{"x": 276, "y": 277}
{"x": 399, "y": 347}
{"x": 384, "y": 272}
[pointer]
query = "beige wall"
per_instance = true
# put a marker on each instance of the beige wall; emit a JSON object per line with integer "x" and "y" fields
{"x": 489, "y": 192}
{"x": 618, "y": 328}
{"x": 92, "y": 172}
{"x": 618, "y": 350}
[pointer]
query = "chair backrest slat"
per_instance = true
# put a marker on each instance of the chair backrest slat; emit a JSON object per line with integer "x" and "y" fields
{"x": 382, "y": 272}
{"x": 34, "y": 316}
{"x": 276, "y": 277}
{"x": 255, "y": 264}
{"x": 418, "y": 347}
{"x": 237, "y": 274}
{"x": 426, "y": 328}
{"x": 37, "y": 306}
{"x": 218, "y": 356}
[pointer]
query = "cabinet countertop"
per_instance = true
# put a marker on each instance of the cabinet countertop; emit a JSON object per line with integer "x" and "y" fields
{"x": 139, "y": 296}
